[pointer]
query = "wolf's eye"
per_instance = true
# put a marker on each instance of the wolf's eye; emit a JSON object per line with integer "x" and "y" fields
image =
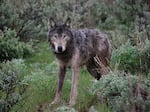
{"x": 55, "y": 36}
{"x": 64, "y": 36}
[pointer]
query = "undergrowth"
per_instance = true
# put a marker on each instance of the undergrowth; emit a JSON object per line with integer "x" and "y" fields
{"x": 41, "y": 79}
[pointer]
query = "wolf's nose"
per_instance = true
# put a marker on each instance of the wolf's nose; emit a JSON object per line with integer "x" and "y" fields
{"x": 59, "y": 48}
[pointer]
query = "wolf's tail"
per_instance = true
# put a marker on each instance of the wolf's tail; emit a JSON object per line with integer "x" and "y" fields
{"x": 93, "y": 69}
{"x": 97, "y": 67}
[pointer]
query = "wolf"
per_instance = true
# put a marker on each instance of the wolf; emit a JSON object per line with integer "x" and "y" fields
{"x": 74, "y": 48}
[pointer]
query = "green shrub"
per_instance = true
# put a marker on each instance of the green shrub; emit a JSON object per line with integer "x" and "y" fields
{"x": 29, "y": 18}
{"x": 132, "y": 58}
{"x": 8, "y": 17}
{"x": 11, "y": 47}
{"x": 12, "y": 86}
{"x": 26, "y": 17}
{"x": 126, "y": 57}
{"x": 32, "y": 15}
{"x": 123, "y": 92}
{"x": 16, "y": 65}
{"x": 117, "y": 38}
{"x": 11, "y": 89}
{"x": 144, "y": 53}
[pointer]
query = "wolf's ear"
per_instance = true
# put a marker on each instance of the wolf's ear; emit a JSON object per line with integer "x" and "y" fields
{"x": 68, "y": 22}
{"x": 51, "y": 23}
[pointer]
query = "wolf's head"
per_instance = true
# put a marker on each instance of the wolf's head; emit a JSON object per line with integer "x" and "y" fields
{"x": 59, "y": 35}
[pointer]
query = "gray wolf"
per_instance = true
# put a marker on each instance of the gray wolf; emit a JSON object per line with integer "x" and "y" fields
{"x": 75, "y": 48}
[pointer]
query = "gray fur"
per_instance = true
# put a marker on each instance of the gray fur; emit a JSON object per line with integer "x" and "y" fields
{"x": 81, "y": 46}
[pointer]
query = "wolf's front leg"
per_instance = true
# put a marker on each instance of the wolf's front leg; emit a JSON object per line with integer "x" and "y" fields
{"x": 75, "y": 77}
{"x": 61, "y": 76}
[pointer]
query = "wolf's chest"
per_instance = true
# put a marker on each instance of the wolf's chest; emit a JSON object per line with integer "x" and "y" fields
{"x": 77, "y": 60}
{"x": 67, "y": 63}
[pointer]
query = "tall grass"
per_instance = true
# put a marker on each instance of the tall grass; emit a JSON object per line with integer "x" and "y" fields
{"x": 42, "y": 83}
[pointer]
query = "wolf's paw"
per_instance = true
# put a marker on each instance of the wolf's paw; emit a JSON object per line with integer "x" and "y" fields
{"x": 72, "y": 103}
{"x": 56, "y": 101}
